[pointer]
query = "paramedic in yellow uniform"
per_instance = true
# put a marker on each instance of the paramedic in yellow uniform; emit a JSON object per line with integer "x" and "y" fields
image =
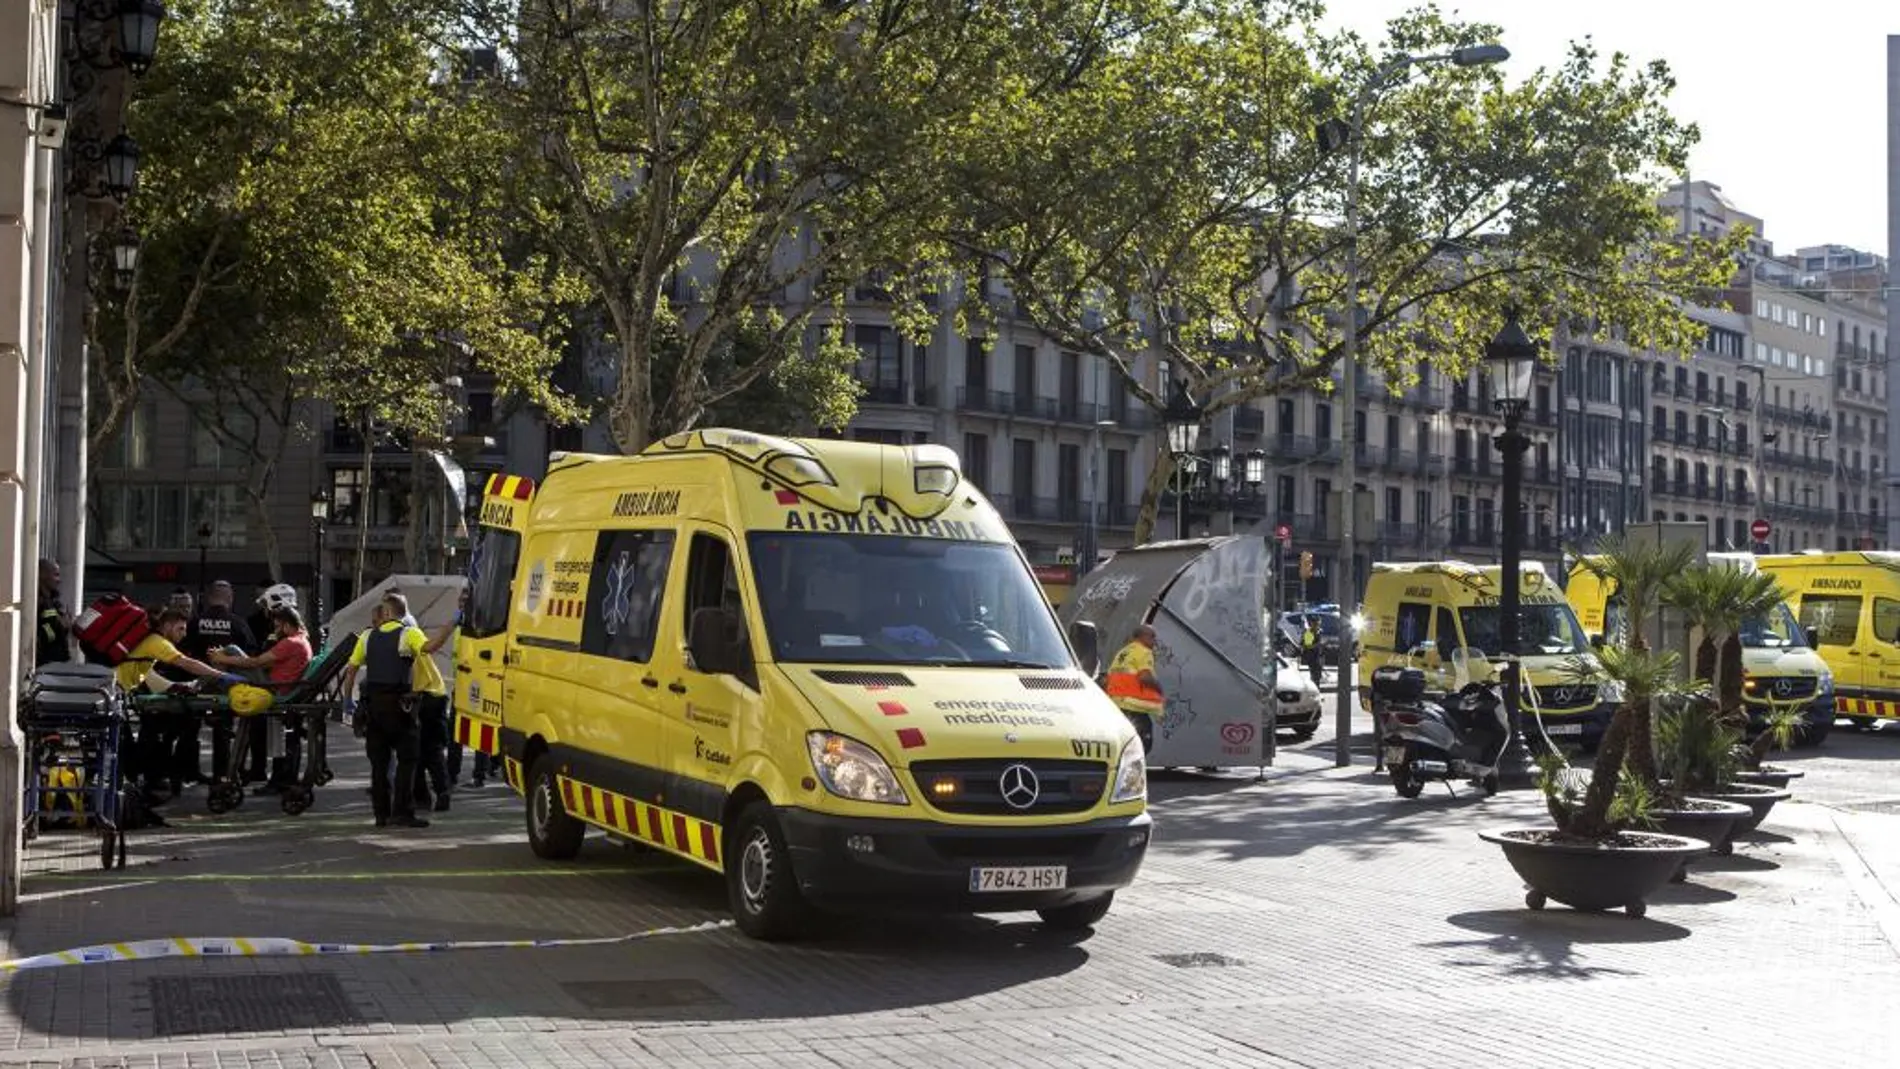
{"x": 1133, "y": 686}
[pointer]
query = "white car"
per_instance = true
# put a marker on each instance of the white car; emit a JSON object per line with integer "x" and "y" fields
{"x": 1299, "y": 701}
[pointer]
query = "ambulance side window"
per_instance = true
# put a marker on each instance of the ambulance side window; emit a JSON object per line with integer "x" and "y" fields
{"x": 1837, "y": 618}
{"x": 713, "y": 583}
{"x": 1447, "y": 638}
{"x": 1887, "y": 620}
{"x": 1409, "y": 629}
{"x": 491, "y": 576}
{"x": 624, "y": 594}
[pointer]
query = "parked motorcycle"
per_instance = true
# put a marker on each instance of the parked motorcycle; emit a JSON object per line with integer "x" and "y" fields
{"x": 1424, "y": 741}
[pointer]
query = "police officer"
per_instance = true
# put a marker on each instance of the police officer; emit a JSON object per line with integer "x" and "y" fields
{"x": 216, "y": 627}
{"x": 386, "y": 656}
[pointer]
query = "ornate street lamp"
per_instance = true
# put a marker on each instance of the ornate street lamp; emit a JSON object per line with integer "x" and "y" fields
{"x": 1253, "y": 467}
{"x": 122, "y": 167}
{"x": 204, "y": 552}
{"x": 1510, "y": 360}
{"x": 1182, "y": 419}
{"x": 125, "y": 256}
{"x": 319, "y": 519}
{"x": 1220, "y": 464}
{"x": 138, "y": 33}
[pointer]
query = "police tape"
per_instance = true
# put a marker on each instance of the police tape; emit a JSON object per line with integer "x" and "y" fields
{"x": 275, "y": 947}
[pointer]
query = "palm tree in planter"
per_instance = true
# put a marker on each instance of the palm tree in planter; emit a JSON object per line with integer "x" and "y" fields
{"x": 1721, "y": 600}
{"x": 1784, "y": 725}
{"x": 1592, "y": 860}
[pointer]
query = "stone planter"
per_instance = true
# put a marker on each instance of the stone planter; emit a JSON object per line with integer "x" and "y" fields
{"x": 1593, "y": 876}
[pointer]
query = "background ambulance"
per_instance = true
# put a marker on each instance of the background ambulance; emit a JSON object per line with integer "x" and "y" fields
{"x": 823, "y": 669}
{"x": 1419, "y": 614}
{"x": 1778, "y": 664}
{"x": 1851, "y": 601}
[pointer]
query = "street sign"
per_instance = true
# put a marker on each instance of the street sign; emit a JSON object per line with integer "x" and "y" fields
{"x": 1759, "y": 530}
{"x": 1284, "y": 532}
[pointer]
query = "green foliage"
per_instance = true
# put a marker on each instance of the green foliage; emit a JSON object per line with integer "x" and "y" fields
{"x": 1634, "y": 805}
{"x": 1784, "y": 720}
{"x": 778, "y": 152}
{"x": 314, "y": 202}
{"x": 1171, "y": 200}
{"x": 1637, "y": 573}
{"x": 1695, "y": 745}
{"x": 1719, "y": 599}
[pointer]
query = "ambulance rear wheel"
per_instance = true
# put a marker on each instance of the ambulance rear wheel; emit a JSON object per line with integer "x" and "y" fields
{"x": 1077, "y": 916}
{"x": 764, "y": 895}
{"x": 551, "y": 831}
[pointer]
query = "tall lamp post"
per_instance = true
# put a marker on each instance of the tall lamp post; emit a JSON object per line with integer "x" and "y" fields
{"x": 1333, "y": 135}
{"x": 1510, "y": 359}
{"x": 319, "y": 520}
{"x": 1182, "y": 418}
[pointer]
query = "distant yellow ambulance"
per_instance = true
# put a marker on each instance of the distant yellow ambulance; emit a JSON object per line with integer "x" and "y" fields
{"x": 1851, "y": 601}
{"x": 1422, "y": 614}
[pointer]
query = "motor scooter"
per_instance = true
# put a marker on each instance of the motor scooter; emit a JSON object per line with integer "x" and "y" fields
{"x": 1424, "y": 741}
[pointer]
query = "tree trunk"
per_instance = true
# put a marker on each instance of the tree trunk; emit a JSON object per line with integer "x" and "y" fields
{"x": 1592, "y": 819}
{"x": 1158, "y": 476}
{"x": 630, "y": 419}
{"x": 1730, "y": 691}
{"x": 1705, "y": 659}
{"x": 258, "y": 502}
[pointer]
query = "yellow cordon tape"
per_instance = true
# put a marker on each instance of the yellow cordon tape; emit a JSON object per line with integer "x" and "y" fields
{"x": 274, "y": 947}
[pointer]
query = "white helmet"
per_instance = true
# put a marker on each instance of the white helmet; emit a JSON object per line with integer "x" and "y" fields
{"x": 281, "y": 596}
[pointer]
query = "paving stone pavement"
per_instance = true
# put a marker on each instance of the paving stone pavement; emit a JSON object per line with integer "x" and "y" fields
{"x": 1313, "y": 919}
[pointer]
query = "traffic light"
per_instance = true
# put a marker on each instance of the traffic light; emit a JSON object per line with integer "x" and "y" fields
{"x": 1306, "y": 564}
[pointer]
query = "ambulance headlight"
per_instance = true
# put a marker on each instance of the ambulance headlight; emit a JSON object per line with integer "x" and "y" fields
{"x": 1825, "y": 683}
{"x": 850, "y": 769}
{"x": 1610, "y": 690}
{"x": 1131, "y": 778}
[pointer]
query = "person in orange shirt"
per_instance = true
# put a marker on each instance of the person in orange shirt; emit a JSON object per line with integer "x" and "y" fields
{"x": 1133, "y": 686}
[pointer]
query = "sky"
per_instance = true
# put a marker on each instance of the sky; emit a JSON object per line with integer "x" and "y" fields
{"x": 1790, "y": 98}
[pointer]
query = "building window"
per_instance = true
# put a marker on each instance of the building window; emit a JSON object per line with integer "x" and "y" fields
{"x": 384, "y": 504}
{"x": 880, "y": 363}
{"x": 221, "y": 441}
{"x": 1286, "y": 501}
{"x": 222, "y": 507}
{"x": 976, "y": 459}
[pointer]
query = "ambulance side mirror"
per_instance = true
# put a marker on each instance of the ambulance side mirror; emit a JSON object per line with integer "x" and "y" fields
{"x": 713, "y": 643}
{"x": 1087, "y": 641}
{"x": 1813, "y": 635}
{"x": 1598, "y": 641}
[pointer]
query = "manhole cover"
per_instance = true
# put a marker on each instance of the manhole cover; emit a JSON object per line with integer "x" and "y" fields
{"x": 271, "y": 1002}
{"x": 1197, "y": 961}
{"x": 641, "y": 994}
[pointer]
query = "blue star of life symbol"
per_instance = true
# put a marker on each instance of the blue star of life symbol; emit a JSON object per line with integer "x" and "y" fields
{"x": 615, "y": 608}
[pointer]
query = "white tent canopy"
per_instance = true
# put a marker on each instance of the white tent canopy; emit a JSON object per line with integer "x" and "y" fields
{"x": 433, "y": 600}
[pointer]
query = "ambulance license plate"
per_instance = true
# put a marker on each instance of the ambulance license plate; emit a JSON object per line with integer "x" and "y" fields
{"x": 1563, "y": 729}
{"x": 1395, "y": 755}
{"x": 1020, "y": 878}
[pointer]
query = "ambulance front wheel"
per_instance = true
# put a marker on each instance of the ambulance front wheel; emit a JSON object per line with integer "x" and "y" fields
{"x": 551, "y": 831}
{"x": 1077, "y": 916}
{"x": 766, "y": 901}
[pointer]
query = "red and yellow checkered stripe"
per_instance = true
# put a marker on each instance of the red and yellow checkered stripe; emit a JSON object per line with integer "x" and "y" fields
{"x": 511, "y": 771}
{"x": 517, "y": 487}
{"x": 690, "y": 838}
{"x": 479, "y": 735}
{"x": 1864, "y": 707}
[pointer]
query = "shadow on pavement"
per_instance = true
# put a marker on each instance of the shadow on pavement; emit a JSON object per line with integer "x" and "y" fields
{"x": 1544, "y": 943}
{"x": 1691, "y": 893}
{"x": 1263, "y": 823}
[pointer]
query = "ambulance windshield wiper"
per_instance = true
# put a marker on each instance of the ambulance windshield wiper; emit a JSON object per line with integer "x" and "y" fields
{"x": 1013, "y": 664}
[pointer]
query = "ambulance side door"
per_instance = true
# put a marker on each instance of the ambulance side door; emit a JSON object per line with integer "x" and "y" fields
{"x": 715, "y": 712}
{"x": 481, "y": 643}
{"x": 1836, "y": 619}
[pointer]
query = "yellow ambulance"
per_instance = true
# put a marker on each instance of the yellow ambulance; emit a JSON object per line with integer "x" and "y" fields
{"x": 1778, "y": 664}
{"x": 1423, "y": 614}
{"x": 1850, "y": 600}
{"x": 823, "y": 669}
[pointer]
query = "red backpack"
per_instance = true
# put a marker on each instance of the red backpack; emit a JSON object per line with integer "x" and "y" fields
{"x": 110, "y": 628}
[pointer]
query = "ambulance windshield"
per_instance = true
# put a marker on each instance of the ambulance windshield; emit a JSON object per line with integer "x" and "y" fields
{"x": 1775, "y": 630}
{"x": 885, "y": 599}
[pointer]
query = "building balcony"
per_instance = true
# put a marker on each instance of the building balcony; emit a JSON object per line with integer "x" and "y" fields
{"x": 1683, "y": 390}
{"x": 1852, "y": 436}
{"x": 1744, "y": 403}
{"x": 1659, "y": 432}
{"x": 1394, "y": 533}
{"x": 1429, "y": 398}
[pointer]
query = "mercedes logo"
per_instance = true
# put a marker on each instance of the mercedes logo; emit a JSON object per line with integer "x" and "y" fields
{"x": 1019, "y": 786}
{"x": 1783, "y": 686}
{"x": 1561, "y": 696}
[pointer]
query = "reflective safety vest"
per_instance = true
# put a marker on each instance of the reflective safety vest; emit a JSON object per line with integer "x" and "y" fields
{"x": 1125, "y": 684}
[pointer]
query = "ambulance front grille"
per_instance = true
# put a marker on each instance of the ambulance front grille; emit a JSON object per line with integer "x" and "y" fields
{"x": 976, "y": 787}
{"x": 858, "y": 678}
